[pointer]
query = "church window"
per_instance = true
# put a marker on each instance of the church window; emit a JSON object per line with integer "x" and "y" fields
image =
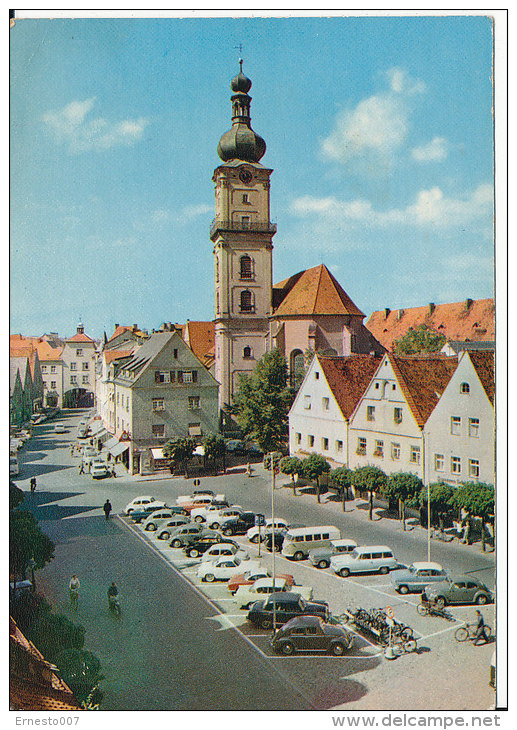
{"x": 465, "y": 388}
{"x": 245, "y": 198}
{"x": 246, "y": 353}
{"x": 246, "y": 301}
{"x": 246, "y": 270}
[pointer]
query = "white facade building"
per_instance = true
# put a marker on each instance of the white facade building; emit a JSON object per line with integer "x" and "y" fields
{"x": 459, "y": 433}
{"x": 318, "y": 419}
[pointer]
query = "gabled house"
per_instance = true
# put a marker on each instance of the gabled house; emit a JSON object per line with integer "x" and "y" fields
{"x": 161, "y": 392}
{"x": 459, "y": 433}
{"x": 79, "y": 357}
{"x": 386, "y": 427}
{"x": 318, "y": 419}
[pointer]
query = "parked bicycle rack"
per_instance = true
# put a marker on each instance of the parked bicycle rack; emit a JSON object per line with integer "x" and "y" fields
{"x": 375, "y": 624}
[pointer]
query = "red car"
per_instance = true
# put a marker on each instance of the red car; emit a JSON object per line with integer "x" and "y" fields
{"x": 246, "y": 579}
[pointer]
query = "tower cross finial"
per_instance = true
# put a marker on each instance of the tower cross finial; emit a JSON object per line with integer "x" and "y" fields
{"x": 240, "y": 53}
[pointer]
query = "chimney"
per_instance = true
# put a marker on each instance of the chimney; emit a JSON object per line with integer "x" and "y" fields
{"x": 432, "y": 307}
{"x": 400, "y": 314}
{"x": 116, "y": 325}
{"x": 135, "y": 327}
{"x": 468, "y": 303}
{"x": 386, "y": 313}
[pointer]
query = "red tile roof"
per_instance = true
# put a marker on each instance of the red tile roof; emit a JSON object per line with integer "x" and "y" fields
{"x": 200, "y": 337}
{"x": 423, "y": 378}
{"x": 33, "y": 684}
{"x": 456, "y": 321}
{"x": 110, "y": 355}
{"x": 483, "y": 363}
{"x": 80, "y": 337}
{"x": 314, "y": 292}
{"x": 348, "y": 378}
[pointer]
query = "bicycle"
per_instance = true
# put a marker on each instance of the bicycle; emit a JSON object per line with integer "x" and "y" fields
{"x": 428, "y": 608}
{"x": 469, "y": 633}
{"x": 401, "y": 645}
{"x": 74, "y": 599}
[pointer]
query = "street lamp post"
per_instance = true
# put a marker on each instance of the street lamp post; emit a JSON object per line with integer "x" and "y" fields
{"x": 273, "y": 533}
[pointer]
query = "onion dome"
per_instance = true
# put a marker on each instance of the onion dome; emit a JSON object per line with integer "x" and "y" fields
{"x": 241, "y": 142}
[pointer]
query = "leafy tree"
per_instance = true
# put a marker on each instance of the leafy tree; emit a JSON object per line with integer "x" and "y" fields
{"x": 16, "y": 495}
{"x": 52, "y": 633}
{"x": 27, "y": 542}
{"x": 180, "y": 451}
{"x": 81, "y": 670}
{"x": 293, "y": 466}
{"x": 262, "y": 402}
{"x": 419, "y": 339}
{"x": 404, "y": 487}
{"x": 440, "y": 496}
{"x": 25, "y": 607}
{"x": 369, "y": 479}
{"x": 214, "y": 449}
{"x": 313, "y": 467}
{"x": 342, "y": 478}
{"x": 478, "y": 498}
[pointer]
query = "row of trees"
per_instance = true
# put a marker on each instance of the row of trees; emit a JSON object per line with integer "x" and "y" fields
{"x": 59, "y": 640}
{"x": 476, "y": 498}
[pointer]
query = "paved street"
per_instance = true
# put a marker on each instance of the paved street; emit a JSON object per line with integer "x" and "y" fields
{"x": 167, "y": 624}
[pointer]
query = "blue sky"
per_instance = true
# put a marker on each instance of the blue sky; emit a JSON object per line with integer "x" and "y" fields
{"x": 379, "y": 131}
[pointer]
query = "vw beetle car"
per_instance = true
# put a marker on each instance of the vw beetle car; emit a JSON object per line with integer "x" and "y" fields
{"x": 310, "y": 633}
{"x": 461, "y": 589}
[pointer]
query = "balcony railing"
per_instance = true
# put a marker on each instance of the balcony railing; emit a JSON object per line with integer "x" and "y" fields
{"x": 259, "y": 226}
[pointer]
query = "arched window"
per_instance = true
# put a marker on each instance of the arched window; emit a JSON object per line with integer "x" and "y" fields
{"x": 246, "y": 301}
{"x": 246, "y": 353}
{"x": 465, "y": 388}
{"x": 296, "y": 367}
{"x": 246, "y": 270}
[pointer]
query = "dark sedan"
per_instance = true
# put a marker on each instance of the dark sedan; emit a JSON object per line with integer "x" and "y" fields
{"x": 284, "y": 606}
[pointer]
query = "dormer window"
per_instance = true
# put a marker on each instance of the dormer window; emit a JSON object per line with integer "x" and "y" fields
{"x": 464, "y": 388}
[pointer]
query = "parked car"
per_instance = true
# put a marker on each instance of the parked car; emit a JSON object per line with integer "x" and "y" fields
{"x": 223, "y": 568}
{"x": 164, "y": 532}
{"x": 59, "y": 428}
{"x": 254, "y": 449}
{"x": 417, "y": 576}
{"x": 287, "y": 606}
{"x": 237, "y": 447}
{"x": 462, "y": 589}
{"x": 98, "y": 470}
{"x": 310, "y": 633}
{"x": 83, "y": 433}
{"x": 275, "y": 539}
{"x": 14, "y": 469}
{"x": 239, "y": 525}
{"x": 200, "y": 500}
{"x": 246, "y": 595}
{"x": 156, "y": 519}
{"x": 138, "y": 502}
{"x": 250, "y": 576}
{"x": 225, "y": 548}
{"x": 215, "y": 519}
{"x": 364, "y": 559}
{"x": 179, "y": 535}
{"x": 254, "y": 534}
{"x": 199, "y": 545}
{"x": 320, "y": 557}
{"x": 191, "y": 538}
{"x": 143, "y": 513}
{"x": 212, "y": 512}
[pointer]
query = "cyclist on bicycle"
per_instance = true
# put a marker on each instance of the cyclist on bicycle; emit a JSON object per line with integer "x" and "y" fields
{"x": 73, "y": 589}
{"x": 112, "y": 595}
{"x": 480, "y": 629}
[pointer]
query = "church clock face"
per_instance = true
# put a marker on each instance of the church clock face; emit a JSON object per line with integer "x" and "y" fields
{"x": 245, "y": 176}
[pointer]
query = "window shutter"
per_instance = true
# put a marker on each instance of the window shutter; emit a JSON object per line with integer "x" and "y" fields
{"x": 173, "y": 376}
{"x": 180, "y": 376}
{"x": 157, "y": 376}
{"x": 194, "y": 376}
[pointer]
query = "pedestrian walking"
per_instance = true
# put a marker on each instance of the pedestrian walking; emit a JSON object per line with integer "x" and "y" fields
{"x": 113, "y": 472}
{"x": 107, "y": 508}
{"x": 480, "y": 628}
{"x": 81, "y": 468}
{"x": 33, "y": 485}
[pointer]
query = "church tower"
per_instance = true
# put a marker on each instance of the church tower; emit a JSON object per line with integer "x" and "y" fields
{"x": 242, "y": 234}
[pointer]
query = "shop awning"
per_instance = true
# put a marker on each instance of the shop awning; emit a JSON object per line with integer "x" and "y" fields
{"x": 157, "y": 454}
{"x": 119, "y": 448}
{"x": 111, "y": 442}
{"x": 96, "y": 427}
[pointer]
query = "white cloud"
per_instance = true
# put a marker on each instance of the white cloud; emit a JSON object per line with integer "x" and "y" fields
{"x": 431, "y": 208}
{"x": 193, "y": 211}
{"x": 378, "y": 125}
{"x": 434, "y": 151}
{"x": 72, "y": 127}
